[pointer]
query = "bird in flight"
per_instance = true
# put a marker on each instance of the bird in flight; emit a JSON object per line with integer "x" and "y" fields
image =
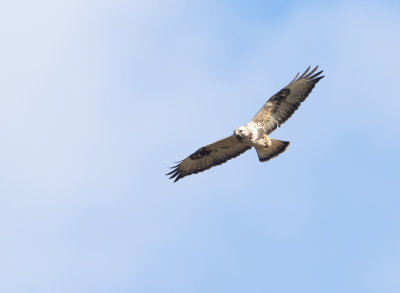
{"x": 273, "y": 114}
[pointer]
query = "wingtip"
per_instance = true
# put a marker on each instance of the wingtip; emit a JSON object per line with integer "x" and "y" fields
{"x": 307, "y": 76}
{"x": 318, "y": 78}
{"x": 170, "y": 173}
{"x": 315, "y": 75}
{"x": 305, "y": 72}
{"x": 294, "y": 78}
{"x": 178, "y": 178}
{"x": 173, "y": 167}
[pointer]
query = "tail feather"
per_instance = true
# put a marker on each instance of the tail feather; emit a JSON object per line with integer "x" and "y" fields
{"x": 277, "y": 147}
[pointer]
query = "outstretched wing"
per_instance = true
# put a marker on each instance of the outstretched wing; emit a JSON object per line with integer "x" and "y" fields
{"x": 209, "y": 156}
{"x": 283, "y": 104}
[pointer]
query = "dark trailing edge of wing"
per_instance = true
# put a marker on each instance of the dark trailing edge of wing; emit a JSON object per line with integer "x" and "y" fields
{"x": 176, "y": 172}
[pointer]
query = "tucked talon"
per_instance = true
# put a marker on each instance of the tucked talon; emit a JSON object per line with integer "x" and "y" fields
{"x": 267, "y": 140}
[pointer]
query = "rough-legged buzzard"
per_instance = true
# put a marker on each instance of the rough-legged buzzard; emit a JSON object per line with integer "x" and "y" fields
{"x": 275, "y": 112}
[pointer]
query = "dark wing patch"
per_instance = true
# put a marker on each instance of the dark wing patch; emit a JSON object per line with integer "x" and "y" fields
{"x": 200, "y": 153}
{"x": 281, "y": 106}
{"x": 209, "y": 156}
{"x": 280, "y": 96}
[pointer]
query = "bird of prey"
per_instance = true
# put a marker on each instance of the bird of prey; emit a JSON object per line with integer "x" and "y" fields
{"x": 273, "y": 114}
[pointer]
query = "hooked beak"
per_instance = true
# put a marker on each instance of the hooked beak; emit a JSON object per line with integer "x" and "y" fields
{"x": 238, "y": 137}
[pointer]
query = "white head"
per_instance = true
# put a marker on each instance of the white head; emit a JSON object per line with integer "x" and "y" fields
{"x": 242, "y": 132}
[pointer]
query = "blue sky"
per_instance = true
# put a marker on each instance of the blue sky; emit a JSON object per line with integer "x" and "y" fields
{"x": 98, "y": 98}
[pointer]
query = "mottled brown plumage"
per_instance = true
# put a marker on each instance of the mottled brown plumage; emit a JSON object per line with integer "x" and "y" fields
{"x": 280, "y": 107}
{"x": 276, "y": 111}
{"x": 210, "y": 155}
